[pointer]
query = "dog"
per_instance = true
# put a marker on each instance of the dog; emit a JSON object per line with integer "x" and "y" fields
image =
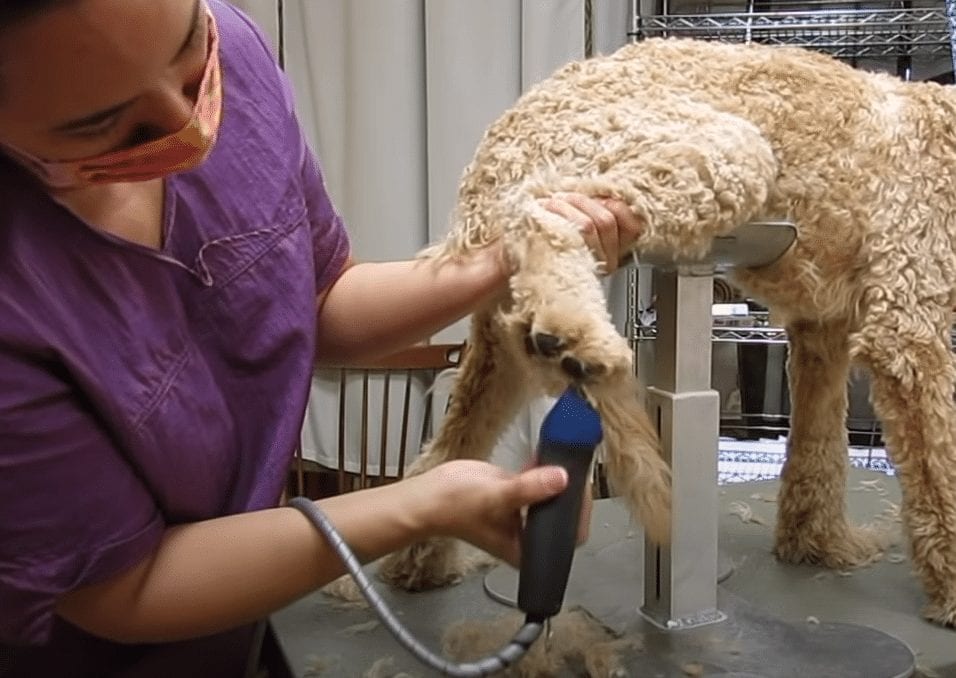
{"x": 698, "y": 138}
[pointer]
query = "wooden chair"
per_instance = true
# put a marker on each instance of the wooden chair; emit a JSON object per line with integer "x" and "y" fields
{"x": 414, "y": 365}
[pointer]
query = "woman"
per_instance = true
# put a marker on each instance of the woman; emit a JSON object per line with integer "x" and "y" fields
{"x": 162, "y": 302}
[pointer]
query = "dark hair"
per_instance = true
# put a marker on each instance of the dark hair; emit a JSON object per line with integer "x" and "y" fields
{"x": 14, "y": 11}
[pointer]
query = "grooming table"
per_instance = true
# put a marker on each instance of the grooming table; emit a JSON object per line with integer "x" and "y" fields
{"x": 765, "y": 601}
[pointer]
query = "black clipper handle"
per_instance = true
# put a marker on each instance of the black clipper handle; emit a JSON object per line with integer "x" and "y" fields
{"x": 551, "y": 530}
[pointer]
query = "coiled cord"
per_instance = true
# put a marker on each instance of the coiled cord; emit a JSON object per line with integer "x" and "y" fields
{"x": 486, "y": 666}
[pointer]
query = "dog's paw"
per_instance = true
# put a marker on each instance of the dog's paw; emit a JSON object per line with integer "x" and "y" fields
{"x": 840, "y": 547}
{"x": 557, "y": 312}
{"x": 581, "y": 352}
{"x": 554, "y": 348}
{"x": 942, "y": 613}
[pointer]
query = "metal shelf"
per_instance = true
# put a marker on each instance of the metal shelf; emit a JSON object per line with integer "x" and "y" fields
{"x": 738, "y": 335}
{"x": 758, "y": 334}
{"x": 841, "y": 29}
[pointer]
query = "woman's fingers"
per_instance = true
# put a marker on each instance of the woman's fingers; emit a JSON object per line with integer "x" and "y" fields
{"x": 609, "y": 227}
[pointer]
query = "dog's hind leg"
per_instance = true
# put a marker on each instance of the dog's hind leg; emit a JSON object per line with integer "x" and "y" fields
{"x": 488, "y": 392}
{"x": 811, "y": 518}
{"x": 908, "y": 350}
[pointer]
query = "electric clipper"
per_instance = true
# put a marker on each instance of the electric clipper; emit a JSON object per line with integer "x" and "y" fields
{"x": 569, "y": 434}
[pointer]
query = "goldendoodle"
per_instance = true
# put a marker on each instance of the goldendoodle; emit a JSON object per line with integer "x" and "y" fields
{"x": 699, "y": 138}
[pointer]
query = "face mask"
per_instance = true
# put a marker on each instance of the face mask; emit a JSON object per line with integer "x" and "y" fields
{"x": 177, "y": 152}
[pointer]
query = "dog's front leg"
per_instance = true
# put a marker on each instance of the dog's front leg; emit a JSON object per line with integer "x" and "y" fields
{"x": 560, "y": 314}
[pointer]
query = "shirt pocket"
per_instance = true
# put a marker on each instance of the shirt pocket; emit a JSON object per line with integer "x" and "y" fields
{"x": 261, "y": 291}
{"x": 231, "y": 407}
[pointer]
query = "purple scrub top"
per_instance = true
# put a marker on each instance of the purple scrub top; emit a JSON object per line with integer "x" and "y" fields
{"x": 141, "y": 389}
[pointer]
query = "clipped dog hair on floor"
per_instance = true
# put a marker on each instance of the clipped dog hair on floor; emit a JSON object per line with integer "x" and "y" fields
{"x": 579, "y": 643}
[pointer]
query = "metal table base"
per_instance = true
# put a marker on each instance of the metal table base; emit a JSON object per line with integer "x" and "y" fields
{"x": 682, "y": 617}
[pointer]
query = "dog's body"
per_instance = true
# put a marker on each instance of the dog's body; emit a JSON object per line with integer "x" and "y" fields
{"x": 699, "y": 138}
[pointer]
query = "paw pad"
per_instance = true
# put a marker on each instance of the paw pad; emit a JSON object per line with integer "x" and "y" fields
{"x": 543, "y": 344}
{"x": 574, "y": 368}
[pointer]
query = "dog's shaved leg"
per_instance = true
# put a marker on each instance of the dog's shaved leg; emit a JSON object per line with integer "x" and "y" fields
{"x": 914, "y": 377}
{"x": 488, "y": 392}
{"x": 811, "y": 519}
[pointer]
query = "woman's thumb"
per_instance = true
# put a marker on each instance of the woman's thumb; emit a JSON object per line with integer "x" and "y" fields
{"x": 539, "y": 483}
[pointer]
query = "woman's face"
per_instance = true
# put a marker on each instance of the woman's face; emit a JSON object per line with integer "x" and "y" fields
{"x": 95, "y": 76}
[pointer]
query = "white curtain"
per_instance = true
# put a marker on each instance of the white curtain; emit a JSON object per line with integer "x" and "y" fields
{"x": 394, "y": 96}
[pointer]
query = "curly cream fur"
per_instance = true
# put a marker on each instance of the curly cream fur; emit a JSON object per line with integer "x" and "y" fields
{"x": 698, "y": 138}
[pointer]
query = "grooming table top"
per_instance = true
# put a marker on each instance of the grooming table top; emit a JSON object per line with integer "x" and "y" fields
{"x": 321, "y": 639}
{"x": 750, "y": 245}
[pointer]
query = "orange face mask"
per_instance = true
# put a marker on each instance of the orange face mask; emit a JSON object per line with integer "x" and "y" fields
{"x": 176, "y": 152}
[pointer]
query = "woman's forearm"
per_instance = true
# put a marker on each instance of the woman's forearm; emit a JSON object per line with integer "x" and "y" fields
{"x": 217, "y": 574}
{"x": 374, "y": 309}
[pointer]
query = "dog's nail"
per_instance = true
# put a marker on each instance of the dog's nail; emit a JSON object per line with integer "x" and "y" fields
{"x": 574, "y": 368}
{"x": 547, "y": 345}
